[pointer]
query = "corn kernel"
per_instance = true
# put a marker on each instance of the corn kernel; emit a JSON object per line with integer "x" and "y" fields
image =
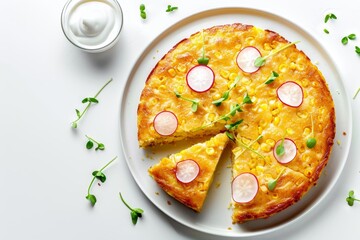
{"x": 172, "y": 72}
{"x": 290, "y": 131}
{"x": 260, "y": 130}
{"x": 251, "y": 91}
{"x": 265, "y": 147}
{"x": 210, "y": 117}
{"x": 181, "y": 68}
{"x": 262, "y": 123}
{"x": 302, "y": 148}
{"x": 250, "y": 40}
{"x": 279, "y": 105}
{"x": 305, "y": 82}
{"x": 307, "y": 131}
{"x": 292, "y": 65}
{"x": 254, "y": 155}
{"x": 276, "y": 121}
{"x": 263, "y": 188}
{"x": 270, "y": 141}
{"x": 259, "y": 169}
{"x": 245, "y": 81}
{"x": 153, "y": 101}
{"x": 305, "y": 158}
{"x": 255, "y": 145}
{"x": 308, "y": 172}
{"x": 224, "y": 73}
{"x": 275, "y": 111}
{"x": 312, "y": 101}
{"x": 267, "y": 47}
{"x": 282, "y": 68}
{"x": 218, "y": 55}
{"x": 238, "y": 46}
{"x": 314, "y": 84}
{"x": 245, "y": 140}
{"x": 180, "y": 89}
{"x": 320, "y": 127}
{"x": 275, "y": 196}
{"x": 264, "y": 106}
{"x": 232, "y": 76}
{"x": 300, "y": 67}
{"x": 162, "y": 87}
{"x": 302, "y": 114}
{"x": 210, "y": 151}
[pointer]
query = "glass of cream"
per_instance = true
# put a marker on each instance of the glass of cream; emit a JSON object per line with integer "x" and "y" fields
{"x": 92, "y": 25}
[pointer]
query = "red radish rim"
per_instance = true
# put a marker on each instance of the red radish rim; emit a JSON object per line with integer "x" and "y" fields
{"x": 277, "y": 157}
{"x": 237, "y": 59}
{"x": 180, "y": 178}
{"x": 253, "y": 195}
{"x": 157, "y": 128}
{"x": 287, "y": 104}
{"x": 189, "y": 85}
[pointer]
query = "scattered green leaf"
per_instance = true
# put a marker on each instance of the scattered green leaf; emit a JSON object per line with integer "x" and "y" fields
{"x": 230, "y": 135}
{"x": 351, "y": 198}
{"x": 357, "y": 50}
{"x": 90, "y": 144}
{"x": 311, "y": 141}
{"x": 226, "y": 94}
{"x": 260, "y": 61}
{"x": 89, "y": 101}
{"x": 329, "y": 16}
{"x": 344, "y": 40}
{"x": 142, "y": 11}
{"x": 98, "y": 174}
{"x": 272, "y": 77}
{"x": 352, "y": 36}
{"x": 171, "y": 8}
{"x": 247, "y": 99}
{"x": 326, "y": 31}
{"x": 233, "y": 126}
{"x": 272, "y": 183}
{"x": 195, "y": 102}
{"x": 135, "y": 213}
{"x": 280, "y": 149}
{"x": 203, "y": 60}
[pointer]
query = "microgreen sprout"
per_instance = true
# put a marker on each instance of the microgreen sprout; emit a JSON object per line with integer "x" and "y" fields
{"x": 203, "y": 60}
{"x": 135, "y": 213}
{"x": 357, "y": 50}
{"x": 272, "y": 77}
{"x": 260, "y": 61}
{"x": 272, "y": 183}
{"x": 226, "y": 94}
{"x": 280, "y": 149}
{"x": 90, "y": 144}
{"x": 345, "y": 39}
{"x": 351, "y": 198}
{"x": 171, "y": 8}
{"x": 356, "y": 93}
{"x": 142, "y": 11}
{"x": 89, "y": 101}
{"x": 231, "y": 127}
{"x": 311, "y": 142}
{"x": 329, "y": 16}
{"x": 98, "y": 174}
{"x": 195, "y": 102}
{"x": 248, "y": 147}
{"x": 326, "y": 31}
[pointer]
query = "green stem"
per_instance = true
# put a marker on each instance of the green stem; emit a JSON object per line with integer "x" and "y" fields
{"x": 92, "y": 139}
{"x": 249, "y": 148}
{"x": 282, "y": 48}
{"x": 357, "y": 92}
{"x": 89, "y": 104}
{"x": 122, "y": 199}
{"x": 250, "y": 144}
{"x": 280, "y": 174}
{"x": 93, "y": 179}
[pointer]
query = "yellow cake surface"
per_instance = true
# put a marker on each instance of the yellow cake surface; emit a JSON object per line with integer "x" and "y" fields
{"x": 266, "y": 116}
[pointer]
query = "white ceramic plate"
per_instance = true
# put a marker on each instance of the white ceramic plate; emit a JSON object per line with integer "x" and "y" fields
{"x": 216, "y": 215}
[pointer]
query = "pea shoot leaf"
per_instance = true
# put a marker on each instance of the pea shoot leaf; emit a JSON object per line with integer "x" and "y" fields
{"x": 89, "y": 144}
{"x": 272, "y": 77}
{"x": 99, "y": 175}
{"x": 91, "y": 198}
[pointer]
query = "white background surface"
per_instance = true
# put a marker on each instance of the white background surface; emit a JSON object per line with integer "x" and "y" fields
{"x": 45, "y": 168}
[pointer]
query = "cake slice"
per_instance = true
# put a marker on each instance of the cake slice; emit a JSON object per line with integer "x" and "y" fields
{"x": 187, "y": 175}
{"x": 261, "y": 185}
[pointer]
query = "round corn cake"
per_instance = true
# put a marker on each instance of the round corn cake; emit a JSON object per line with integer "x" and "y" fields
{"x": 253, "y": 114}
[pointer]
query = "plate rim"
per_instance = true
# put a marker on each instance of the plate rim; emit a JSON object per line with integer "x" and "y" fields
{"x": 238, "y": 9}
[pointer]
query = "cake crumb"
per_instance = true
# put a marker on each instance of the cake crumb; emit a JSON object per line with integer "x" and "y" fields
{"x": 168, "y": 202}
{"x": 229, "y": 228}
{"x": 344, "y": 133}
{"x": 218, "y": 184}
{"x": 338, "y": 142}
{"x": 157, "y": 193}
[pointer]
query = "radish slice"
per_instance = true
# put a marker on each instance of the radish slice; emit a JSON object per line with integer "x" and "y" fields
{"x": 291, "y": 94}
{"x": 200, "y": 78}
{"x": 290, "y": 151}
{"x": 244, "y": 187}
{"x": 165, "y": 123}
{"x": 187, "y": 170}
{"x": 246, "y": 58}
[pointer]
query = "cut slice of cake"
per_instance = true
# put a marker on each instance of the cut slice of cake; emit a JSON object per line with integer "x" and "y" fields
{"x": 187, "y": 175}
{"x": 261, "y": 185}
